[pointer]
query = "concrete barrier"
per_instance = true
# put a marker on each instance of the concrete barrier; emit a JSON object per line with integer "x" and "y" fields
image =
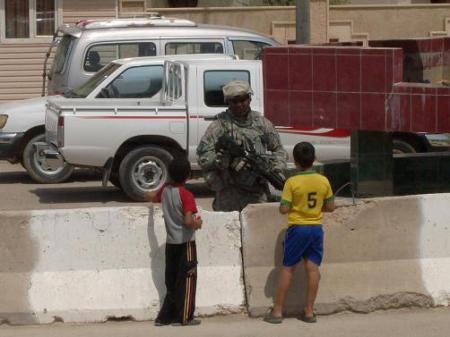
{"x": 382, "y": 253}
{"x": 89, "y": 265}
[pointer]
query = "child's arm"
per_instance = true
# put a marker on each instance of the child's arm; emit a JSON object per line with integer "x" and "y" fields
{"x": 328, "y": 205}
{"x": 284, "y": 209}
{"x": 192, "y": 220}
{"x": 286, "y": 198}
{"x": 152, "y": 196}
{"x": 155, "y": 196}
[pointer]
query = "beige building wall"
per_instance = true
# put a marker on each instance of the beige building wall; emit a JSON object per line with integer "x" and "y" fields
{"x": 256, "y": 18}
{"x": 75, "y": 10}
{"x": 21, "y": 64}
{"x": 277, "y": 21}
{"x": 358, "y": 22}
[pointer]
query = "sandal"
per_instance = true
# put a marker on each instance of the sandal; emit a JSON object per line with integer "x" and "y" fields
{"x": 269, "y": 318}
{"x": 308, "y": 319}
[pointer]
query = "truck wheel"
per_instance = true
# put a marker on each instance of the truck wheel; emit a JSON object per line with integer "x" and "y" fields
{"x": 36, "y": 166}
{"x": 144, "y": 169}
{"x": 400, "y": 146}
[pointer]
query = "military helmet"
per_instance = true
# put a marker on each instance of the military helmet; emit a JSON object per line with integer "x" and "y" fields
{"x": 236, "y": 88}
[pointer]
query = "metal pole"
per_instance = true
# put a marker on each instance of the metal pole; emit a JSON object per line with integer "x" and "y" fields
{"x": 303, "y": 34}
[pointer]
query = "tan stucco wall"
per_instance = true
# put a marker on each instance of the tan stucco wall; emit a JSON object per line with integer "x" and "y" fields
{"x": 278, "y": 21}
{"x": 256, "y": 18}
{"x": 74, "y": 10}
{"x": 20, "y": 72}
{"x": 388, "y": 21}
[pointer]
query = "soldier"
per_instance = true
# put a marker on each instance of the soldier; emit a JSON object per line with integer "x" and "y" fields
{"x": 223, "y": 170}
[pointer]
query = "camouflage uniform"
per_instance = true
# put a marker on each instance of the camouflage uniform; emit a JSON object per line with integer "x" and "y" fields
{"x": 253, "y": 132}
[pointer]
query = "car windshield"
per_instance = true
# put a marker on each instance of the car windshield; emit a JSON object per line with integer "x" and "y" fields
{"x": 85, "y": 89}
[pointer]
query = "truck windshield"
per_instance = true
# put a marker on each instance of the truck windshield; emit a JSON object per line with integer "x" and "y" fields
{"x": 85, "y": 89}
{"x": 62, "y": 53}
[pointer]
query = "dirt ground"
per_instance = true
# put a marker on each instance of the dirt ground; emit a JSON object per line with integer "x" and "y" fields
{"x": 399, "y": 323}
{"x": 19, "y": 192}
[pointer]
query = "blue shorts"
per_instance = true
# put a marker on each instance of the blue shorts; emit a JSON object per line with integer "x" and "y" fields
{"x": 303, "y": 241}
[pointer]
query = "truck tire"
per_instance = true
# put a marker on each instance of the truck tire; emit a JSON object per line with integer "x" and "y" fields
{"x": 144, "y": 169}
{"x": 400, "y": 146}
{"x": 36, "y": 168}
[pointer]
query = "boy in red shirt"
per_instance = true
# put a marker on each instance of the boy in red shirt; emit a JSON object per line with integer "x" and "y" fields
{"x": 181, "y": 221}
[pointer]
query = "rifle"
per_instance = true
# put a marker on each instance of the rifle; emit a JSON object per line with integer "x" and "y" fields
{"x": 252, "y": 165}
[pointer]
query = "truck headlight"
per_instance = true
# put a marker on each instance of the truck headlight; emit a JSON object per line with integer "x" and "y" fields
{"x": 3, "y": 119}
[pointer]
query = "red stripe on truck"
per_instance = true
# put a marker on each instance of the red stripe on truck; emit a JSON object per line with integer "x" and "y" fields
{"x": 133, "y": 117}
{"x": 338, "y": 133}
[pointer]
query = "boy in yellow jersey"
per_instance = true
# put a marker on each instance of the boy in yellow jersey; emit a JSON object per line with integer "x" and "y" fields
{"x": 305, "y": 197}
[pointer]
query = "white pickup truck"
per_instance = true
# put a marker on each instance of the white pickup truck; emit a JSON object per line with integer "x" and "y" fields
{"x": 22, "y": 123}
{"x": 133, "y": 139}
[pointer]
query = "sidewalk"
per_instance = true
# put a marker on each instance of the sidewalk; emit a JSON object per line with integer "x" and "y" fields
{"x": 392, "y": 323}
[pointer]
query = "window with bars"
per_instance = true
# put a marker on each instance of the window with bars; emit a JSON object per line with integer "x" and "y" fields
{"x": 25, "y": 19}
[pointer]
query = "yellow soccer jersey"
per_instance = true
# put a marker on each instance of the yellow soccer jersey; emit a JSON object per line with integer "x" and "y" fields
{"x": 306, "y": 193}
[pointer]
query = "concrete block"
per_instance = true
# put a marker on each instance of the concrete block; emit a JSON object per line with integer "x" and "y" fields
{"x": 89, "y": 265}
{"x": 382, "y": 253}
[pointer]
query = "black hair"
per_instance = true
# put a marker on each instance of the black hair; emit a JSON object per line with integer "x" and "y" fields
{"x": 179, "y": 169}
{"x": 304, "y": 154}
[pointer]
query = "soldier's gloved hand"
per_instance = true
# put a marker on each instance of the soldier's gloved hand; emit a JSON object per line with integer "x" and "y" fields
{"x": 226, "y": 144}
{"x": 223, "y": 143}
{"x": 221, "y": 160}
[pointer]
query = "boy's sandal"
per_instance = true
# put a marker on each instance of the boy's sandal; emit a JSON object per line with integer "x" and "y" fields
{"x": 269, "y": 318}
{"x": 308, "y": 319}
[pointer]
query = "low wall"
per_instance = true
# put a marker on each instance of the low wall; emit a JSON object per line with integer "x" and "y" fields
{"x": 92, "y": 264}
{"x": 382, "y": 253}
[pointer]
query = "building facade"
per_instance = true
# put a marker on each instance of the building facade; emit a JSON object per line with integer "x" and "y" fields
{"x": 26, "y": 29}
{"x": 26, "y": 26}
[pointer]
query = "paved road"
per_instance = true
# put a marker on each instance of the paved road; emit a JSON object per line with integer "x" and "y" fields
{"x": 19, "y": 192}
{"x": 400, "y": 323}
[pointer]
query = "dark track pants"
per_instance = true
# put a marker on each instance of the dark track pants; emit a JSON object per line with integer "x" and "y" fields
{"x": 181, "y": 283}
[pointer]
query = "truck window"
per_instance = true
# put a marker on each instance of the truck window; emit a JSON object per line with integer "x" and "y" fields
{"x": 173, "y": 48}
{"x": 99, "y": 55}
{"x": 136, "y": 82}
{"x": 85, "y": 89}
{"x": 215, "y": 80}
{"x": 62, "y": 54}
{"x": 248, "y": 50}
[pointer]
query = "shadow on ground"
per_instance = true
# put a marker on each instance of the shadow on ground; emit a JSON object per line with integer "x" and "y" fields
{"x": 80, "y": 195}
{"x": 21, "y": 177}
